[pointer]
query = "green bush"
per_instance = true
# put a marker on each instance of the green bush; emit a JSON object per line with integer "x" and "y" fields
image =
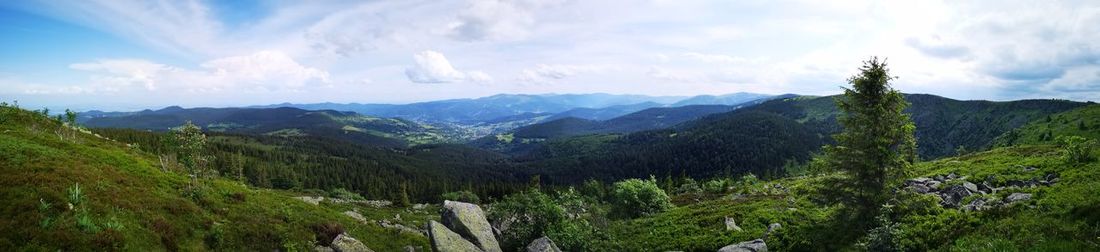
{"x": 1077, "y": 149}
{"x": 341, "y": 193}
{"x": 633, "y": 198}
{"x": 716, "y": 186}
{"x": 463, "y": 196}
{"x": 530, "y": 214}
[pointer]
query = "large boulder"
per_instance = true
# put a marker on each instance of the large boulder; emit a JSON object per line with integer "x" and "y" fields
{"x": 954, "y": 195}
{"x": 345, "y": 243}
{"x": 445, "y": 240}
{"x": 469, "y": 221}
{"x": 543, "y": 244}
{"x": 757, "y": 245}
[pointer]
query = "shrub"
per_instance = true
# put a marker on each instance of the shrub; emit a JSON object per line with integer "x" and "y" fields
{"x": 326, "y": 232}
{"x": 1077, "y": 149}
{"x": 635, "y": 197}
{"x": 688, "y": 186}
{"x": 341, "y": 193}
{"x": 463, "y": 196}
{"x": 530, "y": 215}
{"x": 716, "y": 186}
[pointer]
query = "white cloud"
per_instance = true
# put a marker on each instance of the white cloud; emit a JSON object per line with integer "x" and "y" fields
{"x": 260, "y": 71}
{"x": 544, "y": 74}
{"x": 433, "y": 67}
{"x": 497, "y": 19}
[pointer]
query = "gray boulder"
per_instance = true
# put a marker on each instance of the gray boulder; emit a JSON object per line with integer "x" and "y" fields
{"x": 757, "y": 245}
{"x": 445, "y": 240}
{"x": 970, "y": 187}
{"x": 1017, "y": 197}
{"x": 543, "y": 244}
{"x": 920, "y": 188}
{"x": 731, "y": 224}
{"x": 469, "y": 221}
{"x": 345, "y": 243}
{"x": 934, "y": 185}
{"x": 954, "y": 195}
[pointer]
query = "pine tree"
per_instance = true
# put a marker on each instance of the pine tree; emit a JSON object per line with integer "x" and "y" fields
{"x": 877, "y": 145}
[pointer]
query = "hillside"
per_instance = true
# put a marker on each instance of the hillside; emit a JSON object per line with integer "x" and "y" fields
{"x": 726, "y": 99}
{"x": 1083, "y": 121}
{"x": 67, "y": 190}
{"x": 943, "y": 124}
{"x": 283, "y": 121}
{"x": 1061, "y": 216}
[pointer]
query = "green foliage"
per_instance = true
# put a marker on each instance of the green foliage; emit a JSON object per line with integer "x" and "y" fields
{"x": 463, "y": 196}
{"x": 1077, "y": 149}
{"x": 877, "y": 145}
{"x": 567, "y": 219}
{"x": 635, "y": 197}
{"x": 75, "y": 195}
{"x": 341, "y": 193}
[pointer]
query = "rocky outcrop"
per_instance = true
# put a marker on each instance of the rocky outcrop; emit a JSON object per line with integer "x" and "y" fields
{"x": 543, "y": 244}
{"x": 355, "y": 215}
{"x": 445, "y": 240}
{"x": 953, "y": 196}
{"x": 757, "y": 245}
{"x": 311, "y": 200}
{"x": 469, "y": 221}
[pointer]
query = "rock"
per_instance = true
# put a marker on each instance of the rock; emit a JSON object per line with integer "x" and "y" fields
{"x": 938, "y": 178}
{"x": 445, "y": 240}
{"x": 345, "y": 243}
{"x": 543, "y": 244}
{"x": 757, "y": 245}
{"x": 320, "y": 248}
{"x": 970, "y": 187}
{"x": 985, "y": 188}
{"x": 954, "y": 195}
{"x": 920, "y": 180}
{"x": 731, "y": 224}
{"x": 976, "y": 205}
{"x": 311, "y": 200}
{"x": 469, "y": 221}
{"x": 952, "y": 176}
{"x": 355, "y": 216}
{"x": 920, "y": 188}
{"x": 1017, "y": 197}
{"x": 771, "y": 228}
{"x": 934, "y": 185}
{"x": 1030, "y": 169}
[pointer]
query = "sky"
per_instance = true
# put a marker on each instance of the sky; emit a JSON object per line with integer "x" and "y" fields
{"x": 127, "y": 55}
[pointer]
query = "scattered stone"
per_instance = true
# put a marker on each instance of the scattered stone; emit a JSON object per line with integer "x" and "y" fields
{"x": 920, "y": 188}
{"x": 771, "y": 228}
{"x": 970, "y": 187}
{"x": 320, "y": 248}
{"x": 378, "y": 203}
{"x": 920, "y": 180}
{"x": 938, "y": 178}
{"x": 731, "y": 224}
{"x": 399, "y": 227}
{"x": 355, "y": 216}
{"x": 445, "y": 240}
{"x": 469, "y": 221}
{"x": 757, "y": 245}
{"x": 954, "y": 195}
{"x": 934, "y": 185}
{"x": 976, "y": 205}
{"x": 543, "y": 244}
{"x": 345, "y": 243}
{"x": 1017, "y": 197}
{"x": 1030, "y": 169}
{"x": 419, "y": 206}
{"x": 985, "y": 188}
{"x": 311, "y": 200}
{"x": 952, "y": 176}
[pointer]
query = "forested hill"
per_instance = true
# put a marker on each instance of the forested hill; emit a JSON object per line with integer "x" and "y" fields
{"x": 762, "y": 139}
{"x": 350, "y": 126}
{"x": 943, "y": 124}
{"x": 1083, "y": 121}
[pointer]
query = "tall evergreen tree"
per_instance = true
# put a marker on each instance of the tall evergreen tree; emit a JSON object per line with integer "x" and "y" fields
{"x": 877, "y": 145}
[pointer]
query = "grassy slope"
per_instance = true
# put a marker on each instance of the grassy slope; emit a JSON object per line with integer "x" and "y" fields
{"x": 1083, "y": 121}
{"x": 124, "y": 186}
{"x": 1062, "y": 217}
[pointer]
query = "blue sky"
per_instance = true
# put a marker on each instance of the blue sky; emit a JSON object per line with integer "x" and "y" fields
{"x": 123, "y": 55}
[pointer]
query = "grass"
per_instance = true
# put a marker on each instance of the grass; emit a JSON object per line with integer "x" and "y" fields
{"x": 1061, "y": 217}
{"x": 121, "y": 201}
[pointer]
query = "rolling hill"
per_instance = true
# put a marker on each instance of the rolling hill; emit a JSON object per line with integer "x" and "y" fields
{"x": 282, "y": 121}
